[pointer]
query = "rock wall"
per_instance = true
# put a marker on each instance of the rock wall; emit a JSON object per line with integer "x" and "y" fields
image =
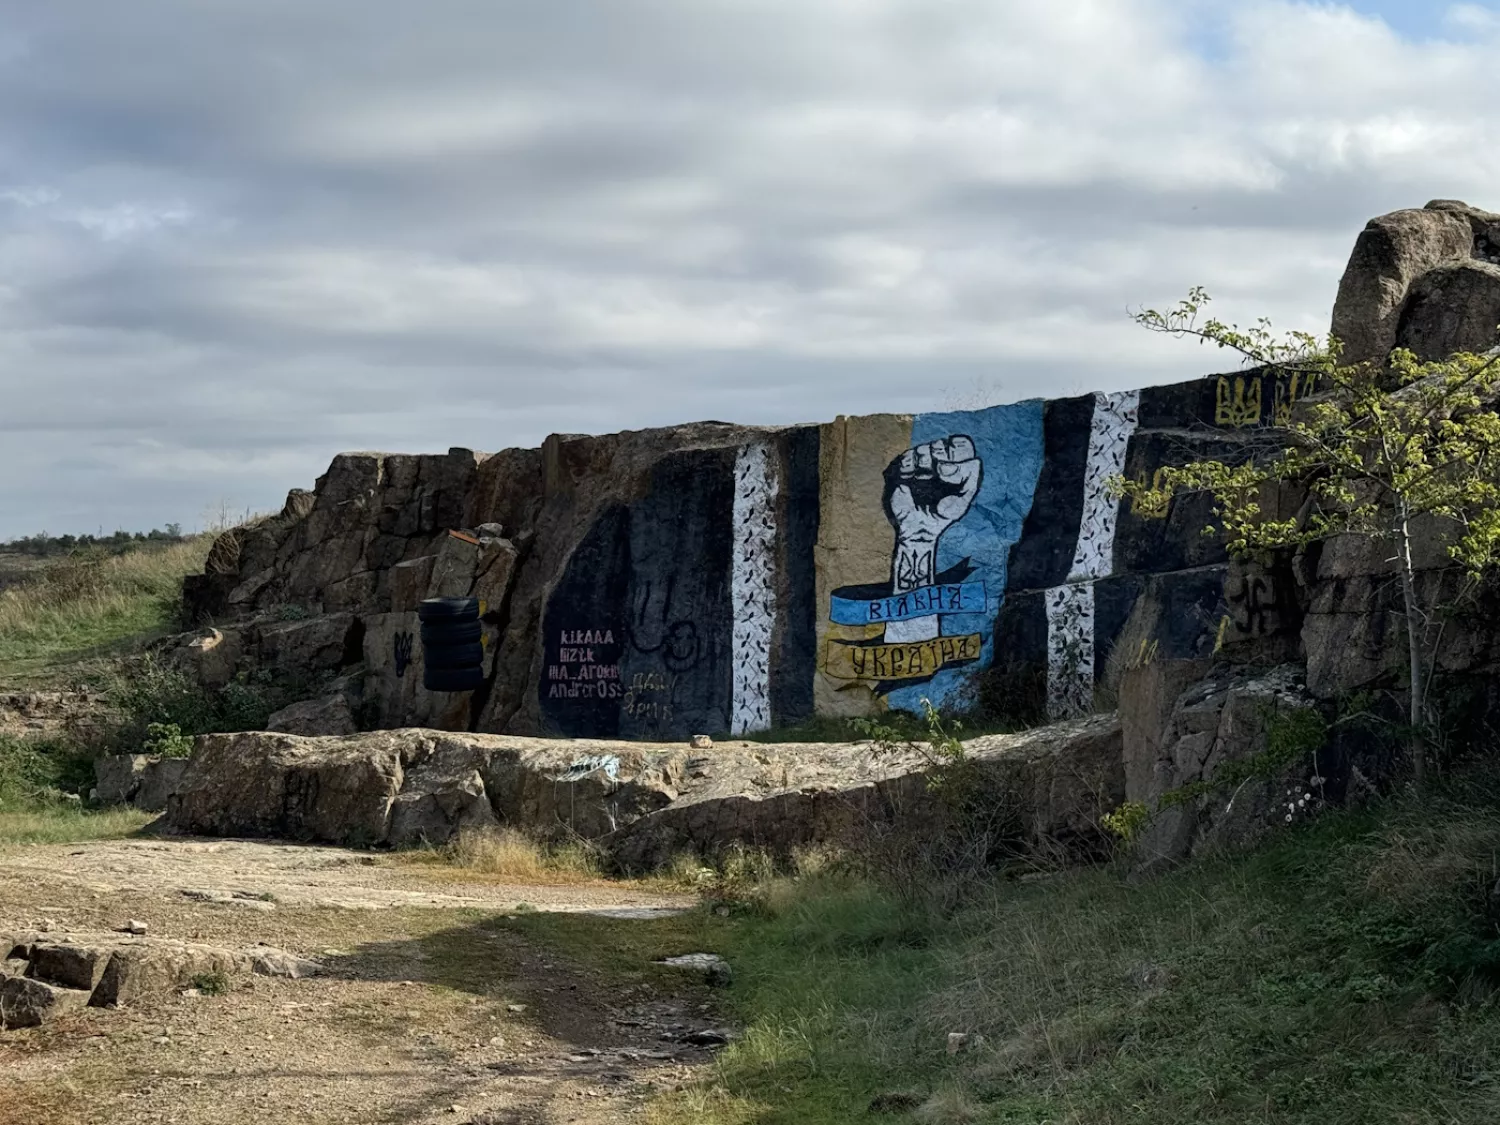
{"x": 723, "y": 579}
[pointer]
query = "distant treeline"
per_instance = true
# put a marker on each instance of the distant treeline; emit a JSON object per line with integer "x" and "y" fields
{"x": 46, "y": 546}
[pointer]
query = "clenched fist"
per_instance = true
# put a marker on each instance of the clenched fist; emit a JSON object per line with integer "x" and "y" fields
{"x": 928, "y": 489}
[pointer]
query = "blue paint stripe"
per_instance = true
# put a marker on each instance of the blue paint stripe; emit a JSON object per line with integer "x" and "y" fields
{"x": 925, "y": 601}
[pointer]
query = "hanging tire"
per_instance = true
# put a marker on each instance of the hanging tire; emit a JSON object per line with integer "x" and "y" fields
{"x": 452, "y": 656}
{"x": 449, "y": 609}
{"x": 451, "y": 632}
{"x": 452, "y": 679}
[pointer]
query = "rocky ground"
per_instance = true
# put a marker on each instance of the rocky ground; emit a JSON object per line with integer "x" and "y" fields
{"x": 439, "y": 999}
{"x": 40, "y": 713}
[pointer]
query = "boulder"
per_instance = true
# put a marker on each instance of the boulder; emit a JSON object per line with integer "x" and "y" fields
{"x": 269, "y": 962}
{"x": 117, "y": 777}
{"x": 1057, "y": 782}
{"x": 266, "y": 784}
{"x": 142, "y": 780}
{"x": 144, "y": 967}
{"x": 443, "y": 793}
{"x": 158, "y": 783}
{"x": 28, "y": 1003}
{"x": 643, "y": 803}
{"x": 306, "y": 649}
{"x": 581, "y": 788}
{"x": 329, "y": 715}
{"x": 69, "y": 964}
{"x": 1391, "y": 253}
{"x": 61, "y": 972}
{"x": 1212, "y": 723}
{"x": 1453, "y": 307}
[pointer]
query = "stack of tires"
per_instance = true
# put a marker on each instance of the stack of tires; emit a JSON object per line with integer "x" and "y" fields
{"x": 452, "y": 649}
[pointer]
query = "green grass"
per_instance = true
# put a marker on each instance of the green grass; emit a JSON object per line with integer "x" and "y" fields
{"x": 1348, "y": 973}
{"x": 77, "y": 610}
{"x": 35, "y": 774}
{"x": 63, "y": 825}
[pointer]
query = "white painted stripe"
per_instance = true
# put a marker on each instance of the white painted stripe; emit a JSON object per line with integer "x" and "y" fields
{"x": 753, "y": 587}
{"x": 1114, "y": 421}
{"x": 1070, "y": 650}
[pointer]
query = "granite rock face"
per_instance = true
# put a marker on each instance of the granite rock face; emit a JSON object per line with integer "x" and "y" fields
{"x": 295, "y": 788}
{"x": 717, "y": 579}
{"x": 142, "y": 780}
{"x": 1422, "y": 278}
{"x": 1180, "y": 732}
{"x": 642, "y": 588}
{"x": 642, "y": 803}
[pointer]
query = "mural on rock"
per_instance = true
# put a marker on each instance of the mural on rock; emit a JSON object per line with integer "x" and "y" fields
{"x": 1070, "y": 608}
{"x": 917, "y": 528}
{"x": 638, "y": 633}
{"x": 753, "y": 587}
{"x": 1256, "y": 399}
{"x": 845, "y": 569}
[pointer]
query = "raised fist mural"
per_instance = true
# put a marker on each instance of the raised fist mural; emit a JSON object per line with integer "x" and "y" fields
{"x": 928, "y": 489}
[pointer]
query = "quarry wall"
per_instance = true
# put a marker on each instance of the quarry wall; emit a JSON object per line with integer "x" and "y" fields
{"x": 721, "y": 579}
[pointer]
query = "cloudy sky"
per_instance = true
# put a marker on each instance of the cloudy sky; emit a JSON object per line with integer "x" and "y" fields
{"x": 236, "y": 238}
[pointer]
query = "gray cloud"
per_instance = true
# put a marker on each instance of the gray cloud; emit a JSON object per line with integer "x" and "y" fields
{"x": 237, "y": 238}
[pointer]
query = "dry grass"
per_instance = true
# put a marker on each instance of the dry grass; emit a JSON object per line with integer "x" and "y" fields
{"x": 81, "y": 608}
{"x": 949, "y": 1106}
{"x": 505, "y": 855}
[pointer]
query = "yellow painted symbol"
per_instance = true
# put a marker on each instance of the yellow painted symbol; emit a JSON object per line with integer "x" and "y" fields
{"x": 1223, "y": 628}
{"x": 1289, "y": 391}
{"x": 1149, "y": 511}
{"x": 1237, "y": 401}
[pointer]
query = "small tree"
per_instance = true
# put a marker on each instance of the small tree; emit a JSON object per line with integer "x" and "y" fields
{"x": 1375, "y": 448}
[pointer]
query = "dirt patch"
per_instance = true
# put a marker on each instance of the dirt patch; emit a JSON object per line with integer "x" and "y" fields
{"x": 435, "y": 1005}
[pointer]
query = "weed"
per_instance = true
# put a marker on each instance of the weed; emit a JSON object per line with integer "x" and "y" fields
{"x": 63, "y": 824}
{"x": 162, "y": 708}
{"x": 212, "y": 984}
{"x": 38, "y": 770}
{"x": 167, "y": 740}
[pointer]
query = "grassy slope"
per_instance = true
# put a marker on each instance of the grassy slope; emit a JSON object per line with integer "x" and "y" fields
{"x": 1343, "y": 975}
{"x": 50, "y": 628}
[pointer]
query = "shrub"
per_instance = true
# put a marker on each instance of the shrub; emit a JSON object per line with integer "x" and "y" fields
{"x": 161, "y": 708}
{"x": 39, "y": 770}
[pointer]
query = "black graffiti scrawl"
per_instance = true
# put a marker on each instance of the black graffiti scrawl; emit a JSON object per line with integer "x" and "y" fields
{"x": 644, "y": 612}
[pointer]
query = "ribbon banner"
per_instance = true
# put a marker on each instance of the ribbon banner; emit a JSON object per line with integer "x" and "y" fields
{"x": 925, "y": 601}
{"x": 912, "y": 660}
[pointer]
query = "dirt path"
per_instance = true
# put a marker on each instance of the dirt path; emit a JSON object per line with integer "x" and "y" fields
{"x": 298, "y": 875}
{"x": 440, "y": 1001}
